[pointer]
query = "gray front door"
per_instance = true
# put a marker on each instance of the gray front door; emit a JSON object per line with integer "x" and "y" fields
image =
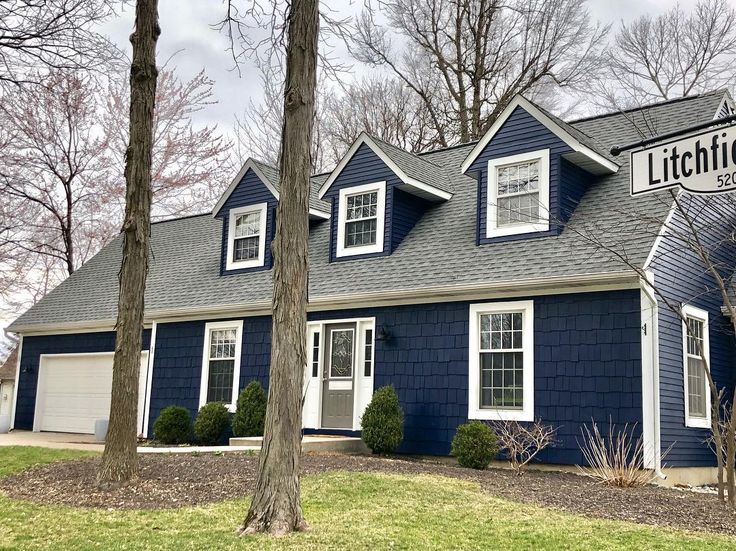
{"x": 337, "y": 376}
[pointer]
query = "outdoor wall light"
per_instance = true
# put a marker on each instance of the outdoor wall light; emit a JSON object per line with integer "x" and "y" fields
{"x": 383, "y": 334}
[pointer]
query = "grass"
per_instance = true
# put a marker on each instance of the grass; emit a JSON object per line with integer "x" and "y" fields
{"x": 345, "y": 511}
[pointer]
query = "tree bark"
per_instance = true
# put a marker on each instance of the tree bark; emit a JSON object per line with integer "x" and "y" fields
{"x": 120, "y": 460}
{"x": 276, "y": 506}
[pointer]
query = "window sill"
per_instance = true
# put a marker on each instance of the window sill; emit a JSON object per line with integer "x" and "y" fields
{"x": 359, "y": 251}
{"x": 517, "y": 230}
{"x": 697, "y": 423}
{"x": 244, "y": 264}
{"x": 501, "y": 414}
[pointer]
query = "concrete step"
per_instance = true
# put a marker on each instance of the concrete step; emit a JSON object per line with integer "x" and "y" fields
{"x": 314, "y": 443}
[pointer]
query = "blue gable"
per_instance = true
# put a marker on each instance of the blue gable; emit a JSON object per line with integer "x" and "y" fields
{"x": 403, "y": 210}
{"x": 250, "y": 191}
{"x": 522, "y": 133}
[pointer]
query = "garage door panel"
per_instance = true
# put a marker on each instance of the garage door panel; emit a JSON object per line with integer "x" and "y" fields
{"x": 74, "y": 391}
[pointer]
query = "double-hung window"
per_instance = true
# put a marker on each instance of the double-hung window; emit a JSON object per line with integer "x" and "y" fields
{"x": 518, "y": 194}
{"x": 246, "y": 237}
{"x": 361, "y": 216}
{"x": 696, "y": 359}
{"x": 502, "y": 361}
{"x": 221, "y": 363}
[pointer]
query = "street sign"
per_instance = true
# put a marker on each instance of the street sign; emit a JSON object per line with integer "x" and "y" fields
{"x": 700, "y": 163}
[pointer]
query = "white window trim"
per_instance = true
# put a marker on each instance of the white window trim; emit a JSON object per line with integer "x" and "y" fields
{"x": 702, "y": 315}
{"x": 230, "y": 264}
{"x": 526, "y": 307}
{"x": 208, "y": 328}
{"x": 341, "y": 250}
{"x": 492, "y": 230}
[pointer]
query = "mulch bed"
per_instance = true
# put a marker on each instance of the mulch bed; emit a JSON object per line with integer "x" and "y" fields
{"x": 175, "y": 480}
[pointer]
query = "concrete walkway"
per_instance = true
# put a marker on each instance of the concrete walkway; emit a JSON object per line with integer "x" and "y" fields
{"x": 310, "y": 443}
{"x": 87, "y": 442}
{"x": 51, "y": 440}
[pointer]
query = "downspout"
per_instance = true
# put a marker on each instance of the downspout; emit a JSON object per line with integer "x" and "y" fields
{"x": 654, "y": 351}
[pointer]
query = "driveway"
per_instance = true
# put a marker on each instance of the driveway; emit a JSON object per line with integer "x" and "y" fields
{"x": 51, "y": 440}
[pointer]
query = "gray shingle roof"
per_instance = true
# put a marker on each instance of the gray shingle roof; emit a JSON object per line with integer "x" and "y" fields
{"x": 7, "y": 368}
{"x": 439, "y": 251}
{"x": 272, "y": 174}
{"x": 421, "y": 169}
{"x": 580, "y": 136}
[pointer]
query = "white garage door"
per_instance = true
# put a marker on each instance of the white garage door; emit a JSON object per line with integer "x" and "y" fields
{"x": 74, "y": 391}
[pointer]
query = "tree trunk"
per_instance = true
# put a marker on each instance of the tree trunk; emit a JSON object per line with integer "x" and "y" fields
{"x": 120, "y": 460}
{"x": 276, "y": 506}
{"x": 718, "y": 443}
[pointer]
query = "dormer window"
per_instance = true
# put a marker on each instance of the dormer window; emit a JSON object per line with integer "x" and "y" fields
{"x": 246, "y": 237}
{"x": 518, "y": 194}
{"x": 361, "y": 215}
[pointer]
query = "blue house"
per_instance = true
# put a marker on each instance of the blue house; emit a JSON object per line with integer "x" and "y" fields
{"x": 459, "y": 276}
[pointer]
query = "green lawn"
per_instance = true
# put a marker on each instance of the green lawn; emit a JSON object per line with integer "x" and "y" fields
{"x": 345, "y": 510}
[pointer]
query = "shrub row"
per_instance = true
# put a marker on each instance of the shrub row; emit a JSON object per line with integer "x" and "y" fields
{"x": 174, "y": 424}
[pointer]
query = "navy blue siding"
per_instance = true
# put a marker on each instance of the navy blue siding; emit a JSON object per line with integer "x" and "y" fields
{"x": 250, "y": 191}
{"x": 402, "y": 209}
{"x": 522, "y": 133}
{"x": 407, "y": 210}
{"x": 33, "y": 347}
{"x": 681, "y": 277}
{"x": 574, "y": 181}
{"x": 587, "y": 365}
{"x": 177, "y": 363}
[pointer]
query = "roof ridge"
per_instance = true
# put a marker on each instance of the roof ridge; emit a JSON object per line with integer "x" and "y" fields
{"x": 389, "y": 144}
{"x": 647, "y": 106}
{"x": 184, "y": 217}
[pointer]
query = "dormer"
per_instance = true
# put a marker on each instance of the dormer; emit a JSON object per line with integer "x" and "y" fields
{"x": 532, "y": 170}
{"x": 377, "y": 193}
{"x": 248, "y": 213}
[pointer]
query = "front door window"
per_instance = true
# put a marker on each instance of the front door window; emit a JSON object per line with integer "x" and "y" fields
{"x": 341, "y": 356}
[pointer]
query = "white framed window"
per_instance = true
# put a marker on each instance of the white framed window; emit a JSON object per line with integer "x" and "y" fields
{"x": 360, "y": 219}
{"x": 695, "y": 381}
{"x": 221, "y": 363}
{"x": 518, "y": 194}
{"x": 501, "y": 361}
{"x": 246, "y": 241}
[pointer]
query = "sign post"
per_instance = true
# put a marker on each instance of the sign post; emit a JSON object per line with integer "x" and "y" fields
{"x": 699, "y": 163}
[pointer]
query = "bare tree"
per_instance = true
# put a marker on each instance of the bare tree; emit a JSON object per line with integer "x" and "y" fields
{"x": 191, "y": 165}
{"x": 119, "y": 459}
{"x": 51, "y": 160}
{"x": 258, "y": 129}
{"x": 62, "y": 157}
{"x": 466, "y": 59}
{"x": 385, "y": 108}
{"x": 37, "y": 35}
{"x": 671, "y": 55}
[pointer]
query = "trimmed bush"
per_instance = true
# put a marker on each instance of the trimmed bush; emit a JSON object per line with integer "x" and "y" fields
{"x": 475, "y": 445}
{"x": 251, "y": 411}
{"x": 173, "y": 426}
{"x": 212, "y": 421}
{"x": 383, "y": 421}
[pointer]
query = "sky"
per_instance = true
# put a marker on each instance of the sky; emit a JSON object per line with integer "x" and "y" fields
{"x": 190, "y": 43}
{"x": 188, "y": 36}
